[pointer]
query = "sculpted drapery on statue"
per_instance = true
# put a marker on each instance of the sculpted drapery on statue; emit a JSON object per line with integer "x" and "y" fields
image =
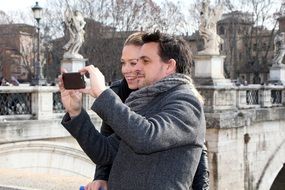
{"x": 208, "y": 27}
{"x": 279, "y": 48}
{"x": 75, "y": 23}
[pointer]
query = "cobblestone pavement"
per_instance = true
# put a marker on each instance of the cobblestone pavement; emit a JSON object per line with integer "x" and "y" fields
{"x": 19, "y": 180}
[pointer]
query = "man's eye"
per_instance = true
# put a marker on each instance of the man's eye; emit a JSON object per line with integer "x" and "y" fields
{"x": 133, "y": 63}
{"x": 122, "y": 62}
{"x": 145, "y": 60}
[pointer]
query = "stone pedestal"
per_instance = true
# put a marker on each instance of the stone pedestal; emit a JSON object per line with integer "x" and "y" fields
{"x": 209, "y": 70}
{"x": 277, "y": 74}
{"x": 73, "y": 64}
{"x": 42, "y": 102}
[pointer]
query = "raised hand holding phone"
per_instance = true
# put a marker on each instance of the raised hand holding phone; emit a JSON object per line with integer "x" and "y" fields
{"x": 97, "y": 81}
{"x": 71, "y": 99}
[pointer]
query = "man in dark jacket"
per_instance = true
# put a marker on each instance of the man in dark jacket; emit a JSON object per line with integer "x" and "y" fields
{"x": 159, "y": 134}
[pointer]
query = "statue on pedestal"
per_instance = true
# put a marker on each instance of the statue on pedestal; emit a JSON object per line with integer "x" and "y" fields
{"x": 279, "y": 48}
{"x": 74, "y": 20}
{"x": 208, "y": 27}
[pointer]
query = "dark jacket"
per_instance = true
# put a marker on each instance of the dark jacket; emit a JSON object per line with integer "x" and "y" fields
{"x": 201, "y": 178}
{"x": 121, "y": 88}
{"x": 159, "y": 156}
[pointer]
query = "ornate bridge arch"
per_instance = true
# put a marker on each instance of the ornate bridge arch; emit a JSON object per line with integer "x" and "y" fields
{"x": 272, "y": 167}
{"x": 46, "y": 157}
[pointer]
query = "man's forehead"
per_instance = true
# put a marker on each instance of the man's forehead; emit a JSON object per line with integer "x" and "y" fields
{"x": 149, "y": 48}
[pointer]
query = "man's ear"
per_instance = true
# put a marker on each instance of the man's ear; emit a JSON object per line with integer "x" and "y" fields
{"x": 171, "y": 66}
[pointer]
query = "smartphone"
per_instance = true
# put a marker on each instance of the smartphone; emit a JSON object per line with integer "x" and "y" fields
{"x": 73, "y": 80}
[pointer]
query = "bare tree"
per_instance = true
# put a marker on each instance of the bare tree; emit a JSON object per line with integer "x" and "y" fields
{"x": 247, "y": 40}
{"x": 172, "y": 20}
{"x": 4, "y": 18}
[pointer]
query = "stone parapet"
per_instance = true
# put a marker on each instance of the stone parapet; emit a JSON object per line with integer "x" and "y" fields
{"x": 34, "y": 102}
{"x": 241, "y": 118}
{"x": 220, "y": 98}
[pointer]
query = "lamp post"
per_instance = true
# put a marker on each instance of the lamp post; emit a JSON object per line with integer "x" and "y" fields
{"x": 38, "y": 77}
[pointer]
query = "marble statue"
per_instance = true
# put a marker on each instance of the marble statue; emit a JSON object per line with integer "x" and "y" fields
{"x": 208, "y": 27}
{"x": 75, "y": 23}
{"x": 279, "y": 48}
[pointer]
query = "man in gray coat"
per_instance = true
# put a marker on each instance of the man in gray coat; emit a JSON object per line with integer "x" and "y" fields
{"x": 160, "y": 131}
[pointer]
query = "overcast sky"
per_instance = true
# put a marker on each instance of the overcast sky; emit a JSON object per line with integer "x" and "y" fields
{"x": 26, "y": 5}
{"x": 12, "y": 5}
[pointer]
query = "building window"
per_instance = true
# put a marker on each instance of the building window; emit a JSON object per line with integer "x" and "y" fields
{"x": 264, "y": 46}
{"x": 254, "y": 47}
{"x": 240, "y": 56}
{"x": 222, "y": 30}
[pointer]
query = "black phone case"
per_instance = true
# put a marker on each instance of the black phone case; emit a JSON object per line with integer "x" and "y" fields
{"x": 73, "y": 81}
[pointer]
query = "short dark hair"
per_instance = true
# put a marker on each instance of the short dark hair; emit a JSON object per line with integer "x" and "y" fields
{"x": 172, "y": 47}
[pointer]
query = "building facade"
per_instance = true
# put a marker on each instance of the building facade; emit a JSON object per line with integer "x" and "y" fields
{"x": 249, "y": 49}
{"x": 17, "y": 51}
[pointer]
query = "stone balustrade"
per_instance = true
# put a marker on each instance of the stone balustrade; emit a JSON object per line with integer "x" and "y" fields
{"x": 218, "y": 98}
{"x": 43, "y": 102}
{"x": 34, "y": 113}
{"x": 33, "y": 102}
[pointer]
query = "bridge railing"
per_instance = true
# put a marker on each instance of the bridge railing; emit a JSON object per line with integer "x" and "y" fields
{"x": 43, "y": 102}
{"x": 260, "y": 96}
{"x": 33, "y": 102}
{"x": 242, "y": 97}
{"x": 16, "y": 103}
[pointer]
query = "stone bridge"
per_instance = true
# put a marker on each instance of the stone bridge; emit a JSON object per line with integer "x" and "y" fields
{"x": 245, "y": 137}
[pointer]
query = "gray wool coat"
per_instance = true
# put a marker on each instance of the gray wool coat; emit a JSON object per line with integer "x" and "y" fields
{"x": 157, "y": 147}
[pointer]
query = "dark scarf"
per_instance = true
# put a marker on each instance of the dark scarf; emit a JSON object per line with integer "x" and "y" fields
{"x": 143, "y": 96}
{"x": 124, "y": 90}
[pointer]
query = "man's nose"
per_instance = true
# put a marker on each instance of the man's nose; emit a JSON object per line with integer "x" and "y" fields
{"x": 138, "y": 66}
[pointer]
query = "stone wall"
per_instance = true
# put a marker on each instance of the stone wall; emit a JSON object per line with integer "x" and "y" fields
{"x": 245, "y": 152}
